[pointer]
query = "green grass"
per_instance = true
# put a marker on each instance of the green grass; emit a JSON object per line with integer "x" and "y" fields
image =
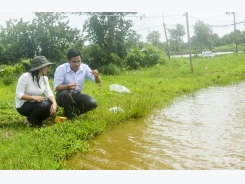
{"x": 156, "y": 87}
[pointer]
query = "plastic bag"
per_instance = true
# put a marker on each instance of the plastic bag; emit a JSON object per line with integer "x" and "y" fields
{"x": 119, "y": 88}
{"x": 116, "y": 109}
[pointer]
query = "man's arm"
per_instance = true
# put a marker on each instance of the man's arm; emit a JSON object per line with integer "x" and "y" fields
{"x": 59, "y": 77}
{"x": 96, "y": 76}
{"x": 66, "y": 86}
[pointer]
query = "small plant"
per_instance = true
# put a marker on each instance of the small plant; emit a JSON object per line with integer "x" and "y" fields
{"x": 7, "y": 81}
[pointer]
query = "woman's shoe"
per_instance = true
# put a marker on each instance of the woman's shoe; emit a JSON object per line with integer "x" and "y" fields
{"x": 26, "y": 122}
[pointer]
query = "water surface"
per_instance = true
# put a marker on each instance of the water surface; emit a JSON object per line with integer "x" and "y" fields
{"x": 205, "y": 130}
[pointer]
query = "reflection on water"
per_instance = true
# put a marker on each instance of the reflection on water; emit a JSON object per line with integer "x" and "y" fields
{"x": 203, "y": 131}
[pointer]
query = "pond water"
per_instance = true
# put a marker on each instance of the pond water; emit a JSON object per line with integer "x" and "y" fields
{"x": 204, "y": 131}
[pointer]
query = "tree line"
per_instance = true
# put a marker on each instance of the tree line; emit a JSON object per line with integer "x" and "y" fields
{"x": 113, "y": 44}
{"x": 204, "y": 38}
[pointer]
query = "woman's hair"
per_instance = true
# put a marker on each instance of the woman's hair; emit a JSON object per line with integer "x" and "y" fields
{"x": 35, "y": 74}
{"x": 73, "y": 53}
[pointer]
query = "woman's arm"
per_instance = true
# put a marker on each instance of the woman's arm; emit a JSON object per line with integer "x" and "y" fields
{"x": 53, "y": 107}
{"x": 32, "y": 98}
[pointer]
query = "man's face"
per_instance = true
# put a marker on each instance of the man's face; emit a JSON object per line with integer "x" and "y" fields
{"x": 75, "y": 63}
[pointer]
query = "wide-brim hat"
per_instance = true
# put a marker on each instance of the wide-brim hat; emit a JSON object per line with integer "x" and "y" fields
{"x": 39, "y": 62}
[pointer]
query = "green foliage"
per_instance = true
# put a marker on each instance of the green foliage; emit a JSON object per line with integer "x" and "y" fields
{"x": 134, "y": 40}
{"x": 48, "y": 34}
{"x": 154, "y": 38}
{"x": 176, "y": 36}
{"x": 153, "y": 56}
{"x": 26, "y": 65}
{"x": 95, "y": 56}
{"x": 7, "y": 80}
{"x": 202, "y": 32}
{"x": 109, "y": 30}
{"x": 48, "y": 148}
{"x": 8, "y": 74}
{"x": 16, "y": 41}
{"x": 110, "y": 69}
{"x": 53, "y": 36}
{"x": 135, "y": 58}
{"x": 11, "y": 71}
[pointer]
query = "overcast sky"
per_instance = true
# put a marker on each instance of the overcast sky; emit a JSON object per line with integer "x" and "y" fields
{"x": 153, "y": 13}
{"x": 153, "y": 21}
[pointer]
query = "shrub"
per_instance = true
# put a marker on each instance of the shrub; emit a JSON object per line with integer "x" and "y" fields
{"x": 153, "y": 56}
{"x": 135, "y": 58}
{"x": 110, "y": 69}
{"x": 9, "y": 74}
{"x": 95, "y": 56}
{"x": 10, "y": 71}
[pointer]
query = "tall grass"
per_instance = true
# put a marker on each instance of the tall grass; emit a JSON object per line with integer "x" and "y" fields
{"x": 151, "y": 88}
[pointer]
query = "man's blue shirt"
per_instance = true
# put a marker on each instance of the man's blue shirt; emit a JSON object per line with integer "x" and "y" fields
{"x": 64, "y": 75}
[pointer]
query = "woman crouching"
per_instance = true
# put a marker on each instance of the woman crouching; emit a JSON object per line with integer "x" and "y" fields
{"x": 34, "y": 98}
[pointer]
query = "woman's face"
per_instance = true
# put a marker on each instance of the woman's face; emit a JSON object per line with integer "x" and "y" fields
{"x": 44, "y": 70}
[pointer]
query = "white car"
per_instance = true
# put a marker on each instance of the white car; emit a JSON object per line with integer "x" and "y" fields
{"x": 207, "y": 54}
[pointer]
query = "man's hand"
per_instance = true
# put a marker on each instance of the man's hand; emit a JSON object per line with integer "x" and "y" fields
{"x": 95, "y": 72}
{"x": 72, "y": 86}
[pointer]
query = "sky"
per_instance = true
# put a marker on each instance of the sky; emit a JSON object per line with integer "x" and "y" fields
{"x": 146, "y": 22}
{"x": 152, "y": 13}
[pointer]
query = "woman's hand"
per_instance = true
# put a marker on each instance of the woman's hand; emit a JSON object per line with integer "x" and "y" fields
{"x": 53, "y": 108}
{"x": 38, "y": 98}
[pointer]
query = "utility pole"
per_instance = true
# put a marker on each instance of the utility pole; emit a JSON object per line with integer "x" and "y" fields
{"x": 187, "y": 25}
{"x": 209, "y": 37}
{"x": 110, "y": 47}
{"x": 235, "y": 29}
{"x": 166, "y": 37}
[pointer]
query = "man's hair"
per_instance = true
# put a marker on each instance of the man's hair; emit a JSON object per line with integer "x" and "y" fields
{"x": 73, "y": 53}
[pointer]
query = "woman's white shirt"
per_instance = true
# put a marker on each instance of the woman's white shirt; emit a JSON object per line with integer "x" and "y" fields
{"x": 27, "y": 86}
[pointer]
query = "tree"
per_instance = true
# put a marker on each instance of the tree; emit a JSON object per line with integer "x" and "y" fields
{"x": 176, "y": 36}
{"x": 202, "y": 32}
{"x": 215, "y": 40}
{"x": 108, "y": 34}
{"x": 53, "y": 36}
{"x": 47, "y": 35}
{"x": 229, "y": 38}
{"x": 16, "y": 41}
{"x": 226, "y": 39}
{"x": 134, "y": 40}
{"x": 110, "y": 30}
{"x": 154, "y": 38}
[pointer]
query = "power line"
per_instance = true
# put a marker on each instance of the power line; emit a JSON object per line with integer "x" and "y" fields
{"x": 146, "y": 21}
{"x": 193, "y": 26}
{"x": 136, "y": 16}
{"x": 208, "y": 19}
{"x": 150, "y": 28}
{"x": 228, "y": 24}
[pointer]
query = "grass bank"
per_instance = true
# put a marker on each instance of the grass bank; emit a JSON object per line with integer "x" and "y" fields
{"x": 47, "y": 148}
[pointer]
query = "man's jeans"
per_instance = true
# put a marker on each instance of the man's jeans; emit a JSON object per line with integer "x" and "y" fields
{"x": 75, "y": 103}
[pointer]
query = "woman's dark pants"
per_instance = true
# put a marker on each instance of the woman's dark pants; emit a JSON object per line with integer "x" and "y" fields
{"x": 36, "y": 112}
